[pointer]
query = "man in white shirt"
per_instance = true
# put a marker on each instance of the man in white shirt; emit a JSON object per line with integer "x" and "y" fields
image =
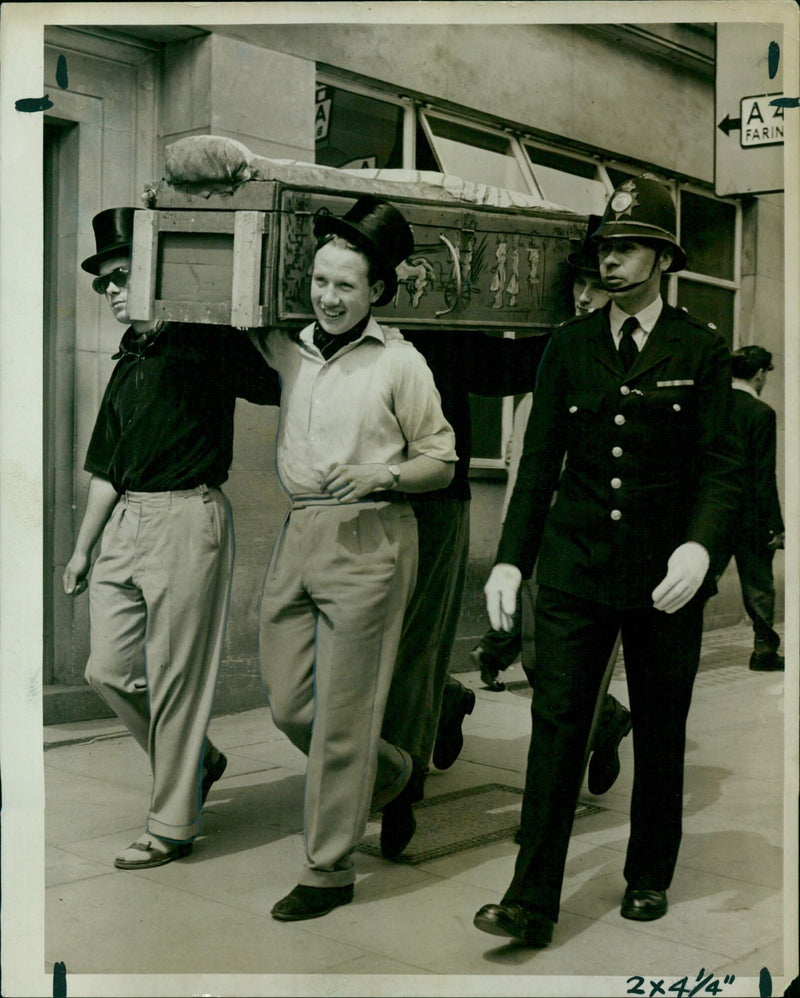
{"x": 361, "y": 424}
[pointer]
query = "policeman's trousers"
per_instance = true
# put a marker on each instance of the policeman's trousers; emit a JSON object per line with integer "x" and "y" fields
{"x": 574, "y": 638}
{"x": 158, "y": 604}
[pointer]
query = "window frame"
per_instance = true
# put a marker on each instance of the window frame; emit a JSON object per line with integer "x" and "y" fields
{"x": 418, "y": 110}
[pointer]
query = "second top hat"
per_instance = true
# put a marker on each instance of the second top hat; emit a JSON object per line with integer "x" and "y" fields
{"x": 379, "y": 231}
{"x": 584, "y": 258}
{"x": 113, "y": 233}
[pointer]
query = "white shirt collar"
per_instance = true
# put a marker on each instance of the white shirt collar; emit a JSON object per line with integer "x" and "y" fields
{"x": 646, "y": 318}
{"x": 743, "y": 386}
{"x": 373, "y": 329}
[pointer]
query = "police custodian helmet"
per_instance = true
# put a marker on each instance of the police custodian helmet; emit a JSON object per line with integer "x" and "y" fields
{"x": 642, "y": 209}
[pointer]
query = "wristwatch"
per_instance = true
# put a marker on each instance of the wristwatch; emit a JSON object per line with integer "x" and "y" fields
{"x": 394, "y": 471}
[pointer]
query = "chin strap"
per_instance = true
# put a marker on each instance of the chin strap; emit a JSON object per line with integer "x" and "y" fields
{"x": 637, "y": 284}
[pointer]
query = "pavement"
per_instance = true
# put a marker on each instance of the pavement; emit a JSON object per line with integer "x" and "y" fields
{"x": 202, "y": 925}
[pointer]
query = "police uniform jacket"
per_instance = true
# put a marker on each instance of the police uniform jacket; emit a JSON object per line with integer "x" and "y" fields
{"x": 649, "y": 459}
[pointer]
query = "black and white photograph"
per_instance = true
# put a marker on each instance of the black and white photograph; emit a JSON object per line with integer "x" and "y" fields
{"x": 430, "y": 370}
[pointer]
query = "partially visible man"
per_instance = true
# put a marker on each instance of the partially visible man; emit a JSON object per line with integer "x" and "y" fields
{"x": 427, "y": 705}
{"x": 160, "y": 450}
{"x": 634, "y": 401}
{"x": 498, "y": 649}
{"x": 760, "y": 529}
{"x": 361, "y": 426}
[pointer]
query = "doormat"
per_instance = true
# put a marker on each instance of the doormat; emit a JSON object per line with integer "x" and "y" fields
{"x": 462, "y": 819}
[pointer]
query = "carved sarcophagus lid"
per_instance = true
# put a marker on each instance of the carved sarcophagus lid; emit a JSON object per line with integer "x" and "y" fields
{"x": 227, "y": 237}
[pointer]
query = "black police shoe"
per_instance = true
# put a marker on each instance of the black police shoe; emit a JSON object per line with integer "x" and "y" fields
{"x": 643, "y": 905}
{"x": 515, "y": 921}
{"x": 767, "y": 661}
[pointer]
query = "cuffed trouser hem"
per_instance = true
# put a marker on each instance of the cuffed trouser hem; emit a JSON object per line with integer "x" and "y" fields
{"x": 328, "y": 878}
{"x": 174, "y": 833}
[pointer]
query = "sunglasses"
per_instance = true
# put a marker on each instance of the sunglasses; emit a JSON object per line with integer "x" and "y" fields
{"x": 117, "y": 277}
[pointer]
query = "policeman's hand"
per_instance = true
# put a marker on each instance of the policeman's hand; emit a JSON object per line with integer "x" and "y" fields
{"x": 777, "y": 541}
{"x": 74, "y": 577}
{"x": 354, "y": 481}
{"x": 501, "y": 591}
{"x": 686, "y": 569}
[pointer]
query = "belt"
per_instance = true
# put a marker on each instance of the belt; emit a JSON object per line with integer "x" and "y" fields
{"x": 199, "y": 490}
{"x": 304, "y": 501}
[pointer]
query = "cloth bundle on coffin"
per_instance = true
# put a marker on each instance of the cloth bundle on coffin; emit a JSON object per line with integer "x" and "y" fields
{"x": 226, "y": 237}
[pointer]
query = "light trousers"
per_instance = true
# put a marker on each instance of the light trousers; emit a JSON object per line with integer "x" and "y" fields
{"x": 337, "y": 586}
{"x": 158, "y": 604}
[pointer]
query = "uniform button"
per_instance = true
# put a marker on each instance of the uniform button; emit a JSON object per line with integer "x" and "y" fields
{"x": 573, "y": 408}
{"x": 616, "y": 451}
{"x": 615, "y": 514}
{"x": 677, "y": 406}
{"x": 619, "y": 419}
{"x": 616, "y": 483}
{"x": 624, "y": 390}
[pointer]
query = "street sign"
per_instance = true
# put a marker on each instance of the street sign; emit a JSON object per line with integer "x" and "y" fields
{"x": 761, "y": 121}
{"x": 749, "y": 132}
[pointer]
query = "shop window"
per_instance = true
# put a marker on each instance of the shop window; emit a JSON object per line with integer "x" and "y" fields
{"x": 708, "y": 235}
{"x": 565, "y": 180}
{"x": 709, "y": 303}
{"x": 354, "y": 130}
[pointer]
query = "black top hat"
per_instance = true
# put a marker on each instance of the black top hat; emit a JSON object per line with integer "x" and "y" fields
{"x": 642, "y": 208}
{"x": 379, "y": 230}
{"x": 113, "y": 233}
{"x": 585, "y": 256}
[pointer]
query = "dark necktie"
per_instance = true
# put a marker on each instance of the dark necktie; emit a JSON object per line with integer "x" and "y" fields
{"x": 628, "y": 351}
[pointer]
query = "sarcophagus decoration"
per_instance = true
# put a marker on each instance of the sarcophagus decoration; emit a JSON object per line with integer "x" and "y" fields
{"x": 238, "y": 250}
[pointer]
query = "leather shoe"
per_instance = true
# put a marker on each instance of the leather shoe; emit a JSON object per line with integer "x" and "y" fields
{"x": 515, "y": 921}
{"x": 604, "y": 765}
{"x": 767, "y": 661}
{"x": 457, "y": 702}
{"x": 488, "y": 674}
{"x": 311, "y": 902}
{"x": 212, "y": 771}
{"x": 151, "y": 851}
{"x": 643, "y": 905}
{"x": 398, "y": 823}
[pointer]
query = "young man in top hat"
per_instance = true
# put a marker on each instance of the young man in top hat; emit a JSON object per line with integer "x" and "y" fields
{"x": 160, "y": 451}
{"x": 361, "y": 424}
{"x": 760, "y": 529}
{"x": 636, "y": 396}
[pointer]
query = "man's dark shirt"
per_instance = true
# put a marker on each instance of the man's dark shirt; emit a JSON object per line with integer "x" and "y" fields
{"x": 464, "y": 363}
{"x": 166, "y": 419}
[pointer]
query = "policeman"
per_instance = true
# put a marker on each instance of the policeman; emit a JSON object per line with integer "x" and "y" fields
{"x": 634, "y": 399}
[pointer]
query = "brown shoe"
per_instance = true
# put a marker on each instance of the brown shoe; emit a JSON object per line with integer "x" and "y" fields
{"x": 311, "y": 902}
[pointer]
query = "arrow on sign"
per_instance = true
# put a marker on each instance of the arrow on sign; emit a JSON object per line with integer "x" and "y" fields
{"x": 729, "y": 124}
